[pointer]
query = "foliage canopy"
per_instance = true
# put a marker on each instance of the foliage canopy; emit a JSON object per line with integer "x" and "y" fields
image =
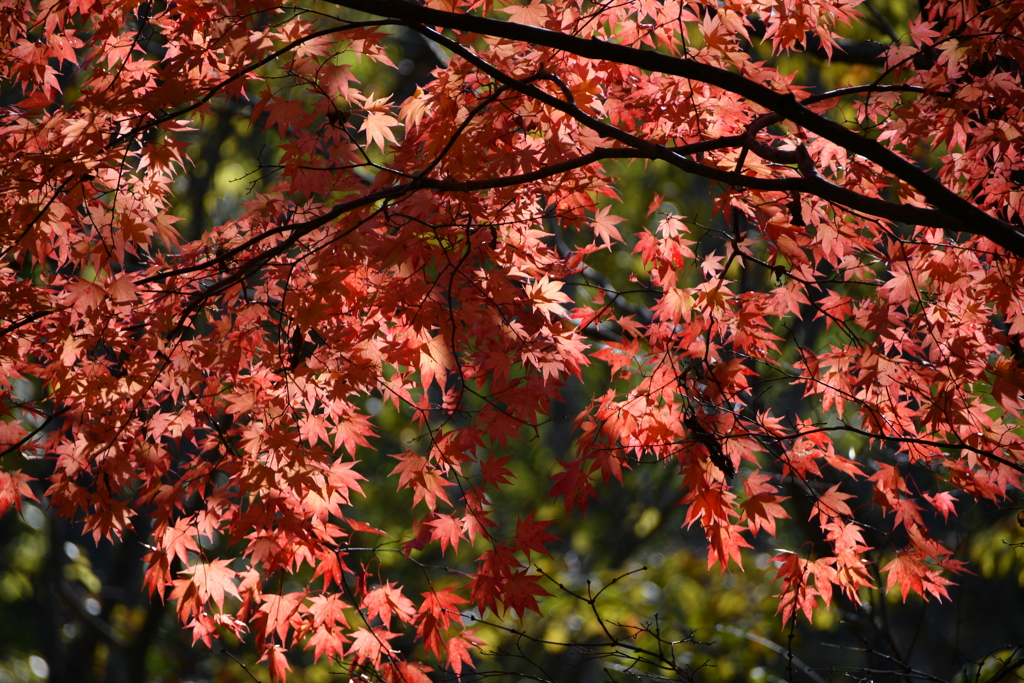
{"x": 443, "y": 256}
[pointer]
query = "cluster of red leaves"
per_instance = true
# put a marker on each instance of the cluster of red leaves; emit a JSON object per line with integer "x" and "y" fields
{"x": 173, "y": 381}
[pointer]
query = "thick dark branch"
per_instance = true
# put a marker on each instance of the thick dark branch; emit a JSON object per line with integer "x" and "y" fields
{"x": 965, "y": 217}
{"x": 571, "y": 164}
{"x": 810, "y": 183}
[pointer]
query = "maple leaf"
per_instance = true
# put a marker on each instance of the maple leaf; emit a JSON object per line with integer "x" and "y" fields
{"x": 180, "y": 539}
{"x": 447, "y": 530}
{"x": 388, "y": 600}
{"x": 725, "y": 541}
{"x": 573, "y": 485}
{"x": 762, "y": 505}
{"x": 416, "y": 472}
{"x": 796, "y": 592}
{"x": 443, "y": 605}
{"x": 13, "y": 487}
{"x": 910, "y": 573}
{"x": 520, "y": 593}
{"x": 285, "y": 114}
{"x": 276, "y": 662}
{"x": 533, "y": 14}
{"x": 831, "y": 505}
{"x": 438, "y": 611}
{"x": 944, "y": 502}
{"x": 458, "y": 650}
{"x": 494, "y": 472}
{"x": 327, "y": 610}
{"x": 500, "y": 560}
{"x": 212, "y": 580}
{"x": 675, "y": 305}
{"x": 158, "y": 573}
{"x": 485, "y": 591}
{"x": 405, "y": 672}
{"x": 378, "y": 123}
{"x": 604, "y": 228}
{"x": 326, "y": 641}
{"x": 530, "y": 535}
{"x": 282, "y": 613}
{"x": 610, "y": 464}
{"x": 922, "y": 33}
{"x": 547, "y": 296}
{"x": 330, "y": 567}
{"x": 371, "y": 646}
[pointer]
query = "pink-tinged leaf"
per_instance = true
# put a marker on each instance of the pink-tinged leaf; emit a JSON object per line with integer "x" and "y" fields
{"x": 378, "y": 123}
{"x": 282, "y": 613}
{"x": 943, "y": 502}
{"x": 386, "y": 601}
{"x": 180, "y": 539}
{"x": 447, "y": 530}
{"x": 371, "y": 646}
{"x": 458, "y": 651}
{"x": 212, "y": 580}
{"x": 405, "y": 672}
{"x": 910, "y": 573}
{"x": 13, "y": 488}
{"x": 547, "y": 296}
{"x": 533, "y": 14}
{"x": 327, "y": 641}
{"x": 832, "y": 504}
{"x": 277, "y": 663}
{"x": 604, "y": 228}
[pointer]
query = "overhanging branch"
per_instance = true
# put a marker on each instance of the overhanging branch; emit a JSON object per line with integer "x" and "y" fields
{"x": 964, "y": 216}
{"x": 810, "y": 183}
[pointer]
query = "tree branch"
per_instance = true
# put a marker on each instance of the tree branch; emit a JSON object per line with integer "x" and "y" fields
{"x": 811, "y": 183}
{"x": 963, "y": 216}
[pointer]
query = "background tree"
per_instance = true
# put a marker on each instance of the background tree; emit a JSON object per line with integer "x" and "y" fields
{"x": 830, "y": 337}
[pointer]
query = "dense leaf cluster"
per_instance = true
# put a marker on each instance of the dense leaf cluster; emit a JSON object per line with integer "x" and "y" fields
{"x": 436, "y": 254}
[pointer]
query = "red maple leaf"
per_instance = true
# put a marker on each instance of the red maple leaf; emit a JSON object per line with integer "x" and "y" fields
{"x": 455, "y": 272}
{"x": 281, "y": 614}
{"x": 910, "y": 573}
{"x": 447, "y": 530}
{"x": 494, "y": 472}
{"x": 388, "y": 600}
{"x": 212, "y": 580}
{"x": 530, "y": 535}
{"x": 458, "y": 650}
{"x": 725, "y": 541}
{"x": 13, "y": 487}
{"x": 763, "y": 505}
{"x": 439, "y": 610}
{"x": 573, "y": 485}
{"x": 520, "y": 593}
{"x": 327, "y": 641}
{"x": 371, "y": 646}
